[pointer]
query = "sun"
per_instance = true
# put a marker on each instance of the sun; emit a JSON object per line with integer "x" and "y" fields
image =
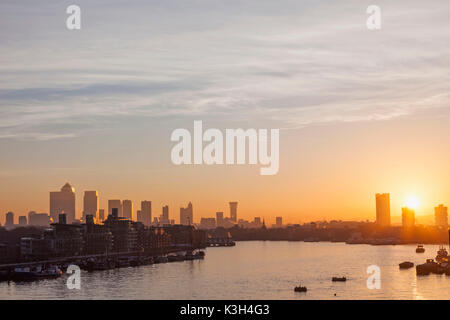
{"x": 412, "y": 202}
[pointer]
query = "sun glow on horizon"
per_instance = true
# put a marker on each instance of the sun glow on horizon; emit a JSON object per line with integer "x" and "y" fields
{"x": 412, "y": 202}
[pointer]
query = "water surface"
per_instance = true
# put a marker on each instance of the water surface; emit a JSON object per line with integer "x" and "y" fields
{"x": 256, "y": 270}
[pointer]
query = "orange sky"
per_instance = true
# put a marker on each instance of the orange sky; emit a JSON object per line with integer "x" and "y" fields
{"x": 359, "y": 111}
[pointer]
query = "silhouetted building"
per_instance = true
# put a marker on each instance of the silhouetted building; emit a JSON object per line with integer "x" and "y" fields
{"x": 63, "y": 201}
{"x": 98, "y": 238}
{"x": 383, "y": 206}
{"x": 139, "y": 216}
{"x": 9, "y": 220}
{"x": 408, "y": 217}
{"x": 22, "y": 221}
{"x": 279, "y": 222}
{"x": 115, "y": 204}
{"x": 35, "y": 248}
{"x": 187, "y": 215}
{"x": 441, "y": 216}
{"x": 219, "y": 219}
{"x": 66, "y": 239}
{"x": 128, "y": 209}
{"x": 207, "y": 223}
{"x": 164, "y": 219}
{"x": 146, "y": 211}
{"x": 38, "y": 219}
{"x": 90, "y": 204}
{"x": 233, "y": 211}
{"x": 123, "y": 231}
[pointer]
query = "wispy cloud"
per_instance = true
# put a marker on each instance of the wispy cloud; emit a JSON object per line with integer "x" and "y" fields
{"x": 293, "y": 63}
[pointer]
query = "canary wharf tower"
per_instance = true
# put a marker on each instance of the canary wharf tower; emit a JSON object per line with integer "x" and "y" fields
{"x": 63, "y": 202}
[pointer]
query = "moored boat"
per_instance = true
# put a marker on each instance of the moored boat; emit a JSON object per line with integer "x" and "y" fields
{"x": 339, "y": 279}
{"x": 36, "y": 273}
{"x": 420, "y": 249}
{"x": 300, "y": 289}
{"x": 425, "y": 269}
{"x": 406, "y": 265}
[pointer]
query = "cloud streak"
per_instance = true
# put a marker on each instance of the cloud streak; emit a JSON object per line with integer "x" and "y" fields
{"x": 290, "y": 64}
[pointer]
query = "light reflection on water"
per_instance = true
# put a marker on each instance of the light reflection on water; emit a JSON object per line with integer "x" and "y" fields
{"x": 256, "y": 270}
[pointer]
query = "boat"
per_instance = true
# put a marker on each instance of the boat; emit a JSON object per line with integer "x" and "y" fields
{"x": 123, "y": 263}
{"x": 300, "y": 289}
{"x": 161, "y": 259}
{"x": 425, "y": 269}
{"x": 36, "y": 273}
{"x": 406, "y": 265}
{"x": 175, "y": 257}
{"x": 135, "y": 261}
{"x": 442, "y": 255}
{"x": 420, "y": 249}
{"x": 339, "y": 279}
{"x": 145, "y": 261}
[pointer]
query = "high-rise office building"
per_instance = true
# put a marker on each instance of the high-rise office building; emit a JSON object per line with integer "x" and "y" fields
{"x": 38, "y": 219}
{"x": 22, "y": 221}
{"x": 383, "y": 205}
{"x": 383, "y": 209}
{"x": 279, "y": 222}
{"x": 164, "y": 219}
{"x": 127, "y": 206}
{"x": 408, "y": 217}
{"x": 441, "y": 216}
{"x": 139, "y": 216}
{"x": 146, "y": 212}
{"x": 219, "y": 219}
{"x": 90, "y": 203}
{"x": 9, "y": 220}
{"x": 115, "y": 204}
{"x": 233, "y": 211}
{"x": 187, "y": 215}
{"x": 63, "y": 202}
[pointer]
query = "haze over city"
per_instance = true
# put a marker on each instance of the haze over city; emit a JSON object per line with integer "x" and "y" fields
{"x": 360, "y": 113}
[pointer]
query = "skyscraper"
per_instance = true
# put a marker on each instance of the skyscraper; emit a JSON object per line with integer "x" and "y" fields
{"x": 233, "y": 211}
{"x": 90, "y": 202}
{"x": 279, "y": 222}
{"x": 139, "y": 216}
{"x": 115, "y": 204}
{"x": 383, "y": 204}
{"x": 22, "y": 221}
{"x": 219, "y": 219}
{"x": 146, "y": 212}
{"x": 9, "y": 220}
{"x": 408, "y": 217}
{"x": 441, "y": 216}
{"x": 127, "y": 209}
{"x": 164, "y": 219}
{"x": 63, "y": 202}
{"x": 187, "y": 215}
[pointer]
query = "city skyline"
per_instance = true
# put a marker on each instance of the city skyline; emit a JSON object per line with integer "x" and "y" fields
{"x": 359, "y": 111}
{"x": 90, "y": 205}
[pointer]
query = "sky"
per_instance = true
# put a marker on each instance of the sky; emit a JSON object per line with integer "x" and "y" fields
{"x": 359, "y": 111}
